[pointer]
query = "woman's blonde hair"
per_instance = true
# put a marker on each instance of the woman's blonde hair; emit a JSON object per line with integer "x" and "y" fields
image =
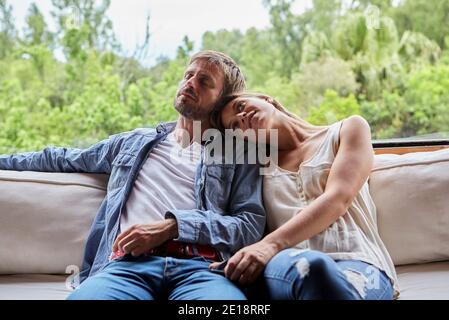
{"x": 216, "y": 114}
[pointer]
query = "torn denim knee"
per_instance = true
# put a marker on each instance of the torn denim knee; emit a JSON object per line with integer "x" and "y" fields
{"x": 357, "y": 280}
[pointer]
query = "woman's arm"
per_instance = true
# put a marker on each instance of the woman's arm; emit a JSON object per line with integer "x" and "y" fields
{"x": 350, "y": 170}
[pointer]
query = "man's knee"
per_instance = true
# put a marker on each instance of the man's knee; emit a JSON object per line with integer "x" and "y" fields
{"x": 91, "y": 290}
{"x": 79, "y": 294}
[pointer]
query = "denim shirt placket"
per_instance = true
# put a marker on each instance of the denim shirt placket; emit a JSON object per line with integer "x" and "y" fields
{"x": 200, "y": 183}
{"x": 161, "y": 134}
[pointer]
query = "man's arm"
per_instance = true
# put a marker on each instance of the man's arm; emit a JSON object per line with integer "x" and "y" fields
{"x": 95, "y": 159}
{"x": 244, "y": 225}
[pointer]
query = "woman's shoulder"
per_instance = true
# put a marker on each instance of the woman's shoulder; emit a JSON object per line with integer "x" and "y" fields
{"x": 350, "y": 129}
{"x": 355, "y": 123}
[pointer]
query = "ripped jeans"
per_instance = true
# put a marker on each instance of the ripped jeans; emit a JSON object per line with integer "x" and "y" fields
{"x": 295, "y": 274}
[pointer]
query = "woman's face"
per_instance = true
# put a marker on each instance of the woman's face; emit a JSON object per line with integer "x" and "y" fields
{"x": 248, "y": 113}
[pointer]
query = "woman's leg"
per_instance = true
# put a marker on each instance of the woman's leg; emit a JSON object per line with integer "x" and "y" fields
{"x": 311, "y": 275}
{"x": 370, "y": 282}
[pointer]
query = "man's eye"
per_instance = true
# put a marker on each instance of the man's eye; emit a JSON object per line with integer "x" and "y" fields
{"x": 204, "y": 81}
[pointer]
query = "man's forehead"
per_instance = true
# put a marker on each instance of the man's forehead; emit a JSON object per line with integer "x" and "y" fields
{"x": 206, "y": 67}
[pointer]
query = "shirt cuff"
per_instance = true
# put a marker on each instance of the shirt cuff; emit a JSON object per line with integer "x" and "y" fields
{"x": 188, "y": 230}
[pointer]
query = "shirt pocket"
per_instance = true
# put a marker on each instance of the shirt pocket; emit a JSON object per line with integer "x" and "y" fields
{"x": 121, "y": 170}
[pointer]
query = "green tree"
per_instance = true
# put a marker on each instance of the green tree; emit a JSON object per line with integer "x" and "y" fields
{"x": 185, "y": 49}
{"x": 229, "y": 42}
{"x": 316, "y": 46}
{"x": 417, "y": 51}
{"x": 288, "y": 33}
{"x": 333, "y": 108}
{"x": 36, "y": 31}
{"x": 427, "y": 96}
{"x": 317, "y": 77}
{"x": 323, "y": 16}
{"x": 429, "y": 17}
{"x": 82, "y": 25}
{"x": 373, "y": 52}
{"x": 324, "y": 64}
{"x": 8, "y": 32}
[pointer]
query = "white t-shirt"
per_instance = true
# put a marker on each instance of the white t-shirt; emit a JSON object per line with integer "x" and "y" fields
{"x": 166, "y": 181}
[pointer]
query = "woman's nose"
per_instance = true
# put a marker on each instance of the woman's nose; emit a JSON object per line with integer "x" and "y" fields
{"x": 241, "y": 117}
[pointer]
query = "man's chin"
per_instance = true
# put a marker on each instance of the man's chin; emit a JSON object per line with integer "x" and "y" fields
{"x": 190, "y": 112}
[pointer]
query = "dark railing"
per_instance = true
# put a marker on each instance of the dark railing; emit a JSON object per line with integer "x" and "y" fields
{"x": 409, "y": 142}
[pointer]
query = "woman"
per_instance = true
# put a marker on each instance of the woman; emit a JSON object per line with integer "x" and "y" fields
{"x": 322, "y": 240}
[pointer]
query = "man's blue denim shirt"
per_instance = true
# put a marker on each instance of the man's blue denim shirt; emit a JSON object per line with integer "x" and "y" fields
{"x": 229, "y": 210}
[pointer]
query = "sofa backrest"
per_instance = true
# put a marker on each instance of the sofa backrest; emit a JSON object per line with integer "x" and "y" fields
{"x": 411, "y": 193}
{"x": 45, "y": 219}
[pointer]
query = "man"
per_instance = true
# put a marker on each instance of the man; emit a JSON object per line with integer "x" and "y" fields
{"x": 163, "y": 223}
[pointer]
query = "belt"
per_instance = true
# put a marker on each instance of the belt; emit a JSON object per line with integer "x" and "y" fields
{"x": 178, "y": 249}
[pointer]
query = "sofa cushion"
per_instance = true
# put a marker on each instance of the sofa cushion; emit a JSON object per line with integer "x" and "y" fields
{"x": 45, "y": 219}
{"x": 425, "y": 281}
{"x": 33, "y": 287}
{"x": 429, "y": 281}
{"x": 411, "y": 195}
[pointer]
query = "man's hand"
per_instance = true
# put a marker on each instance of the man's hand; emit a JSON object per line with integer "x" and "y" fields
{"x": 248, "y": 263}
{"x": 141, "y": 238}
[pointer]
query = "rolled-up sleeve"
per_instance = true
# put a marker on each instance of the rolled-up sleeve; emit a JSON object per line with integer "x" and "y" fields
{"x": 95, "y": 159}
{"x": 243, "y": 223}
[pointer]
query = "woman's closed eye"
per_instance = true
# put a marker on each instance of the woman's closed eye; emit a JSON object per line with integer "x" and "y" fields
{"x": 240, "y": 106}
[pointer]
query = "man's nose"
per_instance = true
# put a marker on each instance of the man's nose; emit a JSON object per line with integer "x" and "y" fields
{"x": 192, "y": 82}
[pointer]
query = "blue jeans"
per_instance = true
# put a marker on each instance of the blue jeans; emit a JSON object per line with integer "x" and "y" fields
{"x": 312, "y": 275}
{"x": 153, "y": 277}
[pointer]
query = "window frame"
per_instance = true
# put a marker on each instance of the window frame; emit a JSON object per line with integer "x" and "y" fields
{"x": 406, "y": 145}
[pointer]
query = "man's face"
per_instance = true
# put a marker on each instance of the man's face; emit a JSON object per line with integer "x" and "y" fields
{"x": 199, "y": 90}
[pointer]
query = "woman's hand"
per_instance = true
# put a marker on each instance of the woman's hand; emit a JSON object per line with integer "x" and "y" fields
{"x": 248, "y": 263}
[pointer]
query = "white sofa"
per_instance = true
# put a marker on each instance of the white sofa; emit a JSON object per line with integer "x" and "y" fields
{"x": 45, "y": 219}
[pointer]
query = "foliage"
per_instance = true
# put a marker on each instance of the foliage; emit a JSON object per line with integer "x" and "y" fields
{"x": 333, "y": 108}
{"x": 325, "y": 74}
{"x": 324, "y": 64}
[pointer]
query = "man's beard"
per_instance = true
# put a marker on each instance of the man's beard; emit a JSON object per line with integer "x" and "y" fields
{"x": 192, "y": 112}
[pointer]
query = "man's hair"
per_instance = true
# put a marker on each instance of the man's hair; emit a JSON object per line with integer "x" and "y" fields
{"x": 233, "y": 77}
{"x": 234, "y": 81}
